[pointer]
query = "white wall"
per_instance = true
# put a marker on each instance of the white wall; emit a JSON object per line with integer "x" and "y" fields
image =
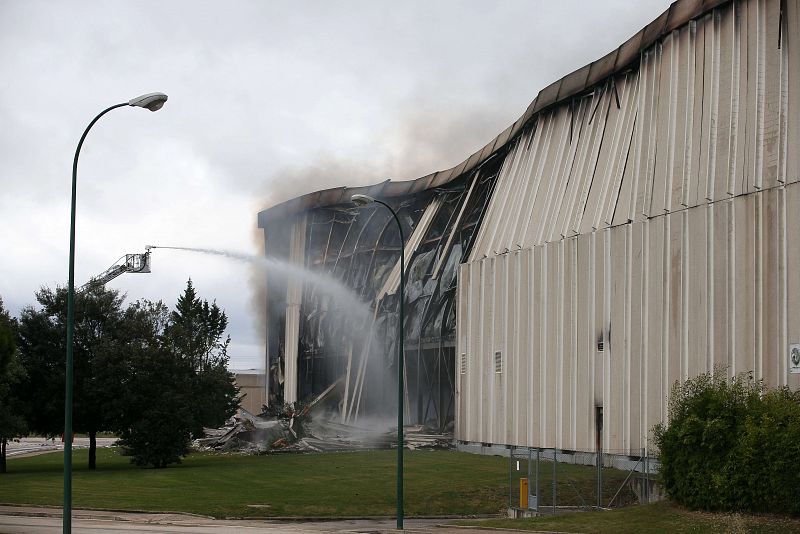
{"x": 668, "y": 228}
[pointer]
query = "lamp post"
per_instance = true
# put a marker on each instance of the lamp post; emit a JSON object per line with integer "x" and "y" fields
{"x": 361, "y": 200}
{"x": 153, "y": 102}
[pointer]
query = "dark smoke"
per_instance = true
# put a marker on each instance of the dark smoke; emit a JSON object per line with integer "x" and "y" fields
{"x": 427, "y": 136}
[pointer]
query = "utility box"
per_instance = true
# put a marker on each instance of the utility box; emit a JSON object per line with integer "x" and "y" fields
{"x": 523, "y": 493}
{"x": 523, "y": 482}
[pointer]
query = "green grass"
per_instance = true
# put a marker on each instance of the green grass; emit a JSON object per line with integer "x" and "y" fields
{"x": 348, "y": 484}
{"x": 333, "y": 484}
{"x": 650, "y": 518}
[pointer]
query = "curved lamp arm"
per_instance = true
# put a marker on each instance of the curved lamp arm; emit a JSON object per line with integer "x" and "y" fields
{"x": 363, "y": 200}
{"x": 153, "y": 102}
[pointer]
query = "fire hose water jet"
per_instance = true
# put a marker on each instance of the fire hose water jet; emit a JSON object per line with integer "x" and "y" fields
{"x": 355, "y": 317}
{"x": 347, "y": 300}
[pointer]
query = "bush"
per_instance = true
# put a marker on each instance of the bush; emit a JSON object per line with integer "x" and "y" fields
{"x": 157, "y": 439}
{"x": 731, "y": 444}
{"x": 158, "y": 410}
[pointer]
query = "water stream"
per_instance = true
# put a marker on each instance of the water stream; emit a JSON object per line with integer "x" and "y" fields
{"x": 344, "y": 300}
{"x": 358, "y": 323}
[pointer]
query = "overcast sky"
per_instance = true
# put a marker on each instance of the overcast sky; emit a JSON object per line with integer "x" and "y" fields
{"x": 267, "y": 100}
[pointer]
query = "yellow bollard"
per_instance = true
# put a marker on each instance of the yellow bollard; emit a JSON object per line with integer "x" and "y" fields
{"x": 523, "y": 493}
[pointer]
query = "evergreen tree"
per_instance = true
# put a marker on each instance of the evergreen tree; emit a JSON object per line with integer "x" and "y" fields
{"x": 178, "y": 378}
{"x": 196, "y": 333}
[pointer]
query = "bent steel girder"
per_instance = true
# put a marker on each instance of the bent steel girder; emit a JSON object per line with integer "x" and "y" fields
{"x": 359, "y": 248}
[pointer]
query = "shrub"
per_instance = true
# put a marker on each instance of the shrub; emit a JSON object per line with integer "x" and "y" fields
{"x": 765, "y": 466}
{"x": 731, "y": 444}
{"x": 157, "y": 439}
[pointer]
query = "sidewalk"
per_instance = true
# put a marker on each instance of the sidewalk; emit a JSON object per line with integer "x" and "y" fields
{"x": 33, "y": 446}
{"x": 21, "y": 519}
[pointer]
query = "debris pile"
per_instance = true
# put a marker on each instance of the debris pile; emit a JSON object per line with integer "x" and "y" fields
{"x": 290, "y": 428}
{"x": 253, "y": 434}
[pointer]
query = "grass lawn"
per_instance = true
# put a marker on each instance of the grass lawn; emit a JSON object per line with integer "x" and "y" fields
{"x": 333, "y": 484}
{"x": 650, "y": 518}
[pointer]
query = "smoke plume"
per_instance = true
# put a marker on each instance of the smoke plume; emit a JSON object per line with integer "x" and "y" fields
{"x": 426, "y": 136}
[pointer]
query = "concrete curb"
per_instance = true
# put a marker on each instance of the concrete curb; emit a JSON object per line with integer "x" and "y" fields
{"x": 501, "y": 529}
{"x": 89, "y": 513}
{"x": 306, "y": 519}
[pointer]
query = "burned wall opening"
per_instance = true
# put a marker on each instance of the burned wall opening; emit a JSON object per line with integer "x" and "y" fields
{"x": 360, "y": 248}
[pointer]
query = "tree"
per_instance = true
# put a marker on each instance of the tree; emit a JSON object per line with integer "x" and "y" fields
{"x": 196, "y": 333}
{"x": 12, "y": 414}
{"x": 176, "y": 380}
{"x": 154, "y": 408}
{"x": 152, "y": 376}
{"x": 42, "y": 343}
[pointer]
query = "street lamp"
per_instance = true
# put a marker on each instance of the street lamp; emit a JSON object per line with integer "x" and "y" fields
{"x": 153, "y": 102}
{"x": 362, "y": 200}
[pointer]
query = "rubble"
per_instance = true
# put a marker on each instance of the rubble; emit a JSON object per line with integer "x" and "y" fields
{"x": 253, "y": 434}
{"x": 290, "y": 428}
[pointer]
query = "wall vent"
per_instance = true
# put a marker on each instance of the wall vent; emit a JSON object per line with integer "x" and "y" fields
{"x": 463, "y": 363}
{"x": 498, "y": 362}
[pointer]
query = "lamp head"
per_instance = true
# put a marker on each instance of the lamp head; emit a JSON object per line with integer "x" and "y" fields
{"x": 151, "y": 101}
{"x": 362, "y": 200}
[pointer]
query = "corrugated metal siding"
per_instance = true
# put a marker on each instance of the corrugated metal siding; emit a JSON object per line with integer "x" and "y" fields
{"x": 658, "y": 216}
{"x": 709, "y": 114}
{"x": 669, "y": 297}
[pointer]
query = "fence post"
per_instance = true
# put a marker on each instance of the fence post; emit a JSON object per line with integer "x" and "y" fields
{"x": 554, "y": 481}
{"x": 644, "y": 476}
{"x": 537, "y": 479}
{"x": 511, "y": 478}
{"x": 599, "y": 463}
{"x": 647, "y": 474}
{"x": 529, "y": 478}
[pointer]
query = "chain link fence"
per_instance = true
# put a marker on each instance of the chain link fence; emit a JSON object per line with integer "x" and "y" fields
{"x": 549, "y": 481}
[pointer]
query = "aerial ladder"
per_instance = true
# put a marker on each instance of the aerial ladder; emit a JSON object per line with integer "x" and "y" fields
{"x": 129, "y": 263}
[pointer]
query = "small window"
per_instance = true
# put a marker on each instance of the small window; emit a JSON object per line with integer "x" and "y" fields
{"x": 463, "y": 363}
{"x": 498, "y": 362}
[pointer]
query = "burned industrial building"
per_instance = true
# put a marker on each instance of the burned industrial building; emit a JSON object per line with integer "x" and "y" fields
{"x": 360, "y": 248}
{"x": 638, "y": 225}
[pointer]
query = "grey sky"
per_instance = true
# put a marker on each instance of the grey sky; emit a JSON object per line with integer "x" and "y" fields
{"x": 264, "y": 98}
